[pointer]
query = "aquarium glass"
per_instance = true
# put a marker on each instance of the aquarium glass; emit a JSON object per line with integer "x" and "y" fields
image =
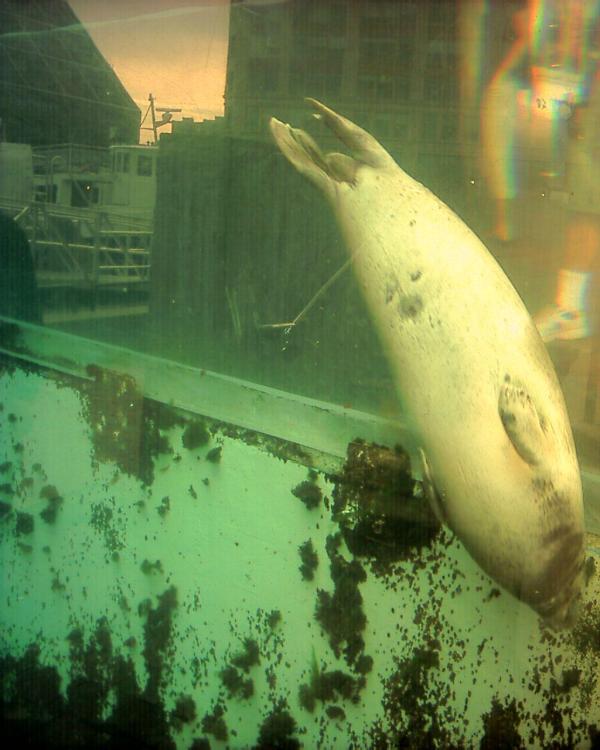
{"x": 183, "y": 309}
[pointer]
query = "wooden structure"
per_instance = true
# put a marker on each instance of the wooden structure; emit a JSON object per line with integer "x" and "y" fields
{"x": 241, "y": 244}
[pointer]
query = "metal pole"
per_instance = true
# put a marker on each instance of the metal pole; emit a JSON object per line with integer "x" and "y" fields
{"x": 95, "y": 258}
{"x": 152, "y": 112}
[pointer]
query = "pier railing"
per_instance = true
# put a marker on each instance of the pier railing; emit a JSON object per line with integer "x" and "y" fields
{"x": 86, "y": 248}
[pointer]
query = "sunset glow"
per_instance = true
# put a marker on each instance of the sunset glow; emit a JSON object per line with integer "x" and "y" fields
{"x": 173, "y": 49}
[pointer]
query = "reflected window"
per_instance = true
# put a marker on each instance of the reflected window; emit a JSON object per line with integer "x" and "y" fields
{"x": 144, "y": 167}
{"x": 263, "y": 75}
{"x": 46, "y": 193}
{"x": 84, "y": 194}
{"x": 319, "y": 18}
{"x": 317, "y": 71}
{"x": 121, "y": 161}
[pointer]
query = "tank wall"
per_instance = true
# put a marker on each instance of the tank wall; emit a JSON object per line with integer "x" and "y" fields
{"x": 154, "y": 584}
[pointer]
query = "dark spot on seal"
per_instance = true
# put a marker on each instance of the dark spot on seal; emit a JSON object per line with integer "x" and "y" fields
{"x": 507, "y": 378}
{"x": 390, "y": 290}
{"x": 557, "y": 533}
{"x": 553, "y": 588}
{"x": 548, "y": 496}
{"x": 410, "y": 306}
{"x": 411, "y": 223}
{"x": 415, "y": 275}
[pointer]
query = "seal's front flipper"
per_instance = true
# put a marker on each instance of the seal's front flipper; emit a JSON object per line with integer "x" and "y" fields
{"x": 525, "y": 426}
{"x": 436, "y": 501}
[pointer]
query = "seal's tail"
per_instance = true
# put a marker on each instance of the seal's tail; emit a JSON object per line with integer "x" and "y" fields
{"x": 324, "y": 170}
{"x": 303, "y": 153}
{"x": 362, "y": 145}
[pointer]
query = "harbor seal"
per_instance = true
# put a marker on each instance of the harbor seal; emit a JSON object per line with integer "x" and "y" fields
{"x": 481, "y": 397}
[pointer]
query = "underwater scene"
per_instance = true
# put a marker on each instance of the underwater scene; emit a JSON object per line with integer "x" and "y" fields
{"x": 300, "y": 374}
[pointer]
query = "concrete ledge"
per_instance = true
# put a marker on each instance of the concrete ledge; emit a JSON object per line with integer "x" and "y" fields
{"x": 324, "y": 429}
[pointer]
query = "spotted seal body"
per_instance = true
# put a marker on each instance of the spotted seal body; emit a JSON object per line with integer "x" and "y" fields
{"x": 479, "y": 391}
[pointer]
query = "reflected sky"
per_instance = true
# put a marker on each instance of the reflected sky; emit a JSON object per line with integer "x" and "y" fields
{"x": 175, "y": 49}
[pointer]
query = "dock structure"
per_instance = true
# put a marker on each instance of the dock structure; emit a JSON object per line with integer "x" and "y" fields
{"x": 84, "y": 248}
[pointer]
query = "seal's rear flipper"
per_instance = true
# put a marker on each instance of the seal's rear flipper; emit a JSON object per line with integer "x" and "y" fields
{"x": 326, "y": 170}
{"x": 362, "y": 144}
{"x": 303, "y": 153}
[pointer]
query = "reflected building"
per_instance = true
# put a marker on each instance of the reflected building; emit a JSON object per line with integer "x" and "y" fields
{"x": 70, "y": 167}
{"x": 232, "y": 217}
{"x": 393, "y": 67}
{"x": 55, "y": 86}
